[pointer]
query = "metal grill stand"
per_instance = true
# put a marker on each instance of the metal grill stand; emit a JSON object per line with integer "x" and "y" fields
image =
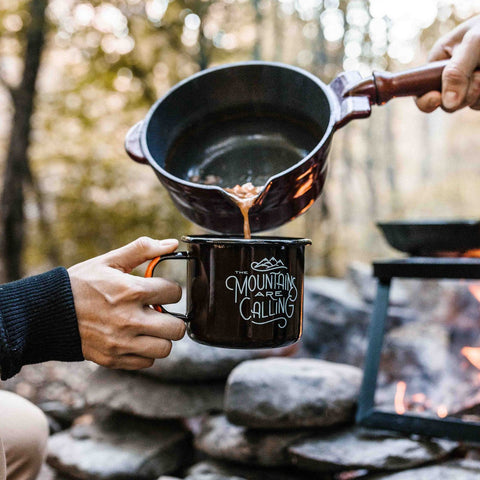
{"x": 367, "y": 414}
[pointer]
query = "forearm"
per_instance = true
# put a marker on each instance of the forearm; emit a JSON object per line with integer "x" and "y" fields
{"x": 37, "y": 322}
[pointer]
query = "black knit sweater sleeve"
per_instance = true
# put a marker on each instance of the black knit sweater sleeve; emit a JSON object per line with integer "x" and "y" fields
{"x": 37, "y": 322}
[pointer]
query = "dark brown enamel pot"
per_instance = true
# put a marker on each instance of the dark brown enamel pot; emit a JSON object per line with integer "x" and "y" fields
{"x": 269, "y": 122}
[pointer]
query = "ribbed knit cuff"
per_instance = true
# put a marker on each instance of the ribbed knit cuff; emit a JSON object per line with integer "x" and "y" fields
{"x": 38, "y": 322}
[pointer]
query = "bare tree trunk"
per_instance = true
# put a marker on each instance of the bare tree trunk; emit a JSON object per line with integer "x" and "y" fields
{"x": 17, "y": 168}
{"x": 426, "y": 155}
{"x": 278, "y": 28}
{"x": 256, "y": 54}
{"x": 390, "y": 156}
{"x": 52, "y": 249}
{"x": 370, "y": 168}
{"x": 347, "y": 179}
{"x": 329, "y": 238}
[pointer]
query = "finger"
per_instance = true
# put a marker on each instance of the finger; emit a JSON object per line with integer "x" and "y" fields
{"x": 133, "y": 362}
{"x": 161, "y": 325}
{"x": 157, "y": 290}
{"x": 443, "y": 47}
{"x": 475, "y": 106}
{"x": 142, "y": 249}
{"x": 151, "y": 347}
{"x": 126, "y": 362}
{"x": 429, "y": 102}
{"x": 456, "y": 75}
{"x": 473, "y": 93}
{"x": 441, "y": 50}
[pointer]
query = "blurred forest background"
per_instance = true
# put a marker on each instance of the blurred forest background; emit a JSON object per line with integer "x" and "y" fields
{"x": 76, "y": 74}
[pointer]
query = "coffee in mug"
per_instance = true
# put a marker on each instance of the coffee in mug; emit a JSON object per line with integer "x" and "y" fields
{"x": 242, "y": 293}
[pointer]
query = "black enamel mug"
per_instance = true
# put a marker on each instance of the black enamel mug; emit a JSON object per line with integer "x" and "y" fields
{"x": 242, "y": 293}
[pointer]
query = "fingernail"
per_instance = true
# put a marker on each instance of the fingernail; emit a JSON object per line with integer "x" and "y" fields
{"x": 450, "y": 99}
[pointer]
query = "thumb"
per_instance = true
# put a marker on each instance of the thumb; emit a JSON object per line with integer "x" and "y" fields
{"x": 140, "y": 250}
{"x": 457, "y": 73}
{"x": 454, "y": 86}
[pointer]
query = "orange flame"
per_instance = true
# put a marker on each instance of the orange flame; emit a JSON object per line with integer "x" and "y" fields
{"x": 418, "y": 402}
{"x": 442, "y": 411}
{"x": 472, "y": 354}
{"x": 474, "y": 289}
{"x": 419, "y": 398}
{"x": 400, "y": 398}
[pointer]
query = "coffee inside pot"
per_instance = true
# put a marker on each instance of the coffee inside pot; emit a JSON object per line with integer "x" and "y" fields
{"x": 240, "y": 150}
{"x": 246, "y": 144}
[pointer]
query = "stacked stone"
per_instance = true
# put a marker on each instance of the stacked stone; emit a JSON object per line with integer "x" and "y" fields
{"x": 138, "y": 428}
{"x": 272, "y": 419}
{"x": 292, "y": 418}
{"x": 283, "y": 419}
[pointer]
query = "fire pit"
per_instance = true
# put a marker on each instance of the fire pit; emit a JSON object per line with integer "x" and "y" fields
{"x": 435, "y": 403}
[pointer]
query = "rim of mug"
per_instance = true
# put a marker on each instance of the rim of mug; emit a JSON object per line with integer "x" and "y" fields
{"x": 239, "y": 239}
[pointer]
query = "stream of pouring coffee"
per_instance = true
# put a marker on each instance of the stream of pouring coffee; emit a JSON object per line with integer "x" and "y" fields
{"x": 244, "y": 196}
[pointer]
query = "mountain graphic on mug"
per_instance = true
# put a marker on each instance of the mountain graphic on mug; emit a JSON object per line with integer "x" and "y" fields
{"x": 267, "y": 265}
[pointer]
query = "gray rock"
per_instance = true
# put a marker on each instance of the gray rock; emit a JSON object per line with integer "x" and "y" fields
{"x": 336, "y": 321}
{"x": 212, "y": 476}
{"x": 357, "y": 449}
{"x": 140, "y": 395}
{"x": 120, "y": 447}
{"x": 291, "y": 393}
{"x": 190, "y": 361}
{"x": 360, "y": 279}
{"x": 418, "y": 354}
{"x": 64, "y": 414}
{"x": 463, "y": 470}
{"x": 200, "y": 471}
{"x": 222, "y": 440}
{"x": 417, "y": 349}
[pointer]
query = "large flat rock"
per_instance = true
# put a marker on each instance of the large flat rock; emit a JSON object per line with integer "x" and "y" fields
{"x": 336, "y": 321}
{"x": 360, "y": 279}
{"x": 359, "y": 449}
{"x": 222, "y": 440}
{"x": 120, "y": 447}
{"x": 190, "y": 361}
{"x": 212, "y": 476}
{"x": 208, "y": 469}
{"x": 462, "y": 470}
{"x": 140, "y": 395}
{"x": 291, "y": 393}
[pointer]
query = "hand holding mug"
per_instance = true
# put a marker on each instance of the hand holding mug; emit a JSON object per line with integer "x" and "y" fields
{"x": 117, "y": 327}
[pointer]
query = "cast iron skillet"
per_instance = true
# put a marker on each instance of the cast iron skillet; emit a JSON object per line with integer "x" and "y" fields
{"x": 432, "y": 237}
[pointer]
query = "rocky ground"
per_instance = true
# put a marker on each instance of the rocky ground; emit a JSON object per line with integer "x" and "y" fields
{"x": 217, "y": 414}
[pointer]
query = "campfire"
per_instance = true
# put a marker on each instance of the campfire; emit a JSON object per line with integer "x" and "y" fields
{"x": 426, "y": 374}
{"x": 467, "y": 373}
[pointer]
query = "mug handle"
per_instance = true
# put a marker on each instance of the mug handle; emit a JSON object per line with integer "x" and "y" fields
{"x": 149, "y": 273}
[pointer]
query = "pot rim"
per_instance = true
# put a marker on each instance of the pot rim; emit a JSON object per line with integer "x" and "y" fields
{"x": 240, "y": 240}
{"x": 333, "y": 103}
